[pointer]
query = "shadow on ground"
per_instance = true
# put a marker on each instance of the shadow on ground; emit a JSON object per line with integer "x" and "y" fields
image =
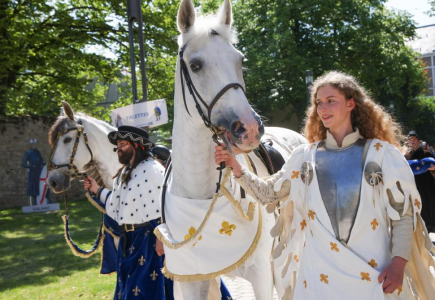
{"x": 33, "y": 248}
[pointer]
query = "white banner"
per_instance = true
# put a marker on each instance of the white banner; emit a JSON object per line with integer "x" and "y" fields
{"x": 150, "y": 113}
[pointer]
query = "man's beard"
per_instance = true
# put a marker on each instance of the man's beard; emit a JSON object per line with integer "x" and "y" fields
{"x": 124, "y": 157}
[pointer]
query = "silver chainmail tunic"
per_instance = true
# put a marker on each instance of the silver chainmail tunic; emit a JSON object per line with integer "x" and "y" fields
{"x": 339, "y": 173}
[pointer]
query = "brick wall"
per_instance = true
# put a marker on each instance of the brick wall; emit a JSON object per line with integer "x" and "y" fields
{"x": 15, "y": 134}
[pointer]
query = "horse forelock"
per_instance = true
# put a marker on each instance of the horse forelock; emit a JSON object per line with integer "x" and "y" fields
{"x": 202, "y": 30}
{"x": 58, "y": 125}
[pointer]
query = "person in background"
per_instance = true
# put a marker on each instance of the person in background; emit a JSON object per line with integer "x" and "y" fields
{"x": 425, "y": 182}
{"x": 33, "y": 161}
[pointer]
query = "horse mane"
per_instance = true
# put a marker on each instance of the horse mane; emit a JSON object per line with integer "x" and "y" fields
{"x": 59, "y": 125}
{"x": 202, "y": 29}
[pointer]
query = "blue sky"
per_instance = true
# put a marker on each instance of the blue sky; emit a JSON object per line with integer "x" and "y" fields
{"x": 415, "y": 7}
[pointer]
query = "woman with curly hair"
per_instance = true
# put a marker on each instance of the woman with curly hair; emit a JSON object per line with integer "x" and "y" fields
{"x": 349, "y": 223}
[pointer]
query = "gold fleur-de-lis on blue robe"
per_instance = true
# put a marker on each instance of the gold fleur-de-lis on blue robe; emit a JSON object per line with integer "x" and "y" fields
{"x": 136, "y": 291}
{"x": 227, "y": 228}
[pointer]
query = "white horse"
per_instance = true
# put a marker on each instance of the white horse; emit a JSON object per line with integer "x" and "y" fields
{"x": 212, "y": 63}
{"x": 96, "y": 155}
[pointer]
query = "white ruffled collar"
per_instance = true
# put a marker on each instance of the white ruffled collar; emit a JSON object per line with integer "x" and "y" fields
{"x": 347, "y": 141}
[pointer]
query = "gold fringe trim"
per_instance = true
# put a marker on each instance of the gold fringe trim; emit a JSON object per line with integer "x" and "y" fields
{"x": 240, "y": 262}
{"x": 95, "y": 203}
{"x": 171, "y": 245}
{"x": 249, "y": 216}
{"x": 74, "y": 251}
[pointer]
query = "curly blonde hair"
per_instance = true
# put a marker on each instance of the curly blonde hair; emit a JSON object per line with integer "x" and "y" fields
{"x": 372, "y": 120}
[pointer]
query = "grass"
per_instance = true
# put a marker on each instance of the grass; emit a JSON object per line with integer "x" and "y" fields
{"x": 36, "y": 262}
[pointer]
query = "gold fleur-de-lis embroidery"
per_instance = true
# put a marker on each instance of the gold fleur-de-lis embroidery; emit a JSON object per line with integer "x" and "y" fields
{"x": 131, "y": 249}
{"x": 141, "y": 261}
{"x": 153, "y": 275}
{"x": 295, "y": 174}
{"x": 377, "y": 146}
{"x": 305, "y": 283}
{"x": 192, "y": 231}
{"x": 334, "y": 247}
{"x": 374, "y": 224}
{"x": 136, "y": 291}
{"x": 311, "y": 214}
{"x": 373, "y": 263}
{"x": 418, "y": 168}
{"x": 227, "y": 228}
{"x": 417, "y": 203}
{"x": 324, "y": 278}
{"x": 365, "y": 276}
{"x": 229, "y": 298}
{"x": 303, "y": 224}
{"x": 399, "y": 290}
{"x": 422, "y": 162}
{"x": 296, "y": 258}
{"x": 119, "y": 295}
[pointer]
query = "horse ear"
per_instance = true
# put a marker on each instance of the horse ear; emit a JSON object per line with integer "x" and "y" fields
{"x": 186, "y": 16}
{"x": 225, "y": 14}
{"x": 68, "y": 110}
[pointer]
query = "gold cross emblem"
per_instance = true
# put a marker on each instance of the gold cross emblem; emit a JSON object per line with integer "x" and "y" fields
{"x": 227, "y": 228}
{"x": 311, "y": 214}
{"x": 131, "y": 249}
{"x": 377, "y": 146}
{"x": 365, "y": 276}
{"x": 373, "y": 263}
{"x": 141, "y": 260}
{"x": 136, "y": 291}
{"x": 295, "y": 174}
{"x": 334, "y": 247}
{"x": 296, "y": 258}
{"x": 154, "y": 275}
{"x": 417, "y": 203}
{"x": 374, "y": 224}
{"x": 303, "y": 224}
{"x": 305, "y": 283}
{"x": 324, "y": 278}
{"x": 399, "y": 290}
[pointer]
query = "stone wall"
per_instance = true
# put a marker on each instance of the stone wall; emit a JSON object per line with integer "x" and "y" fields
{"x": 15, "y": 134}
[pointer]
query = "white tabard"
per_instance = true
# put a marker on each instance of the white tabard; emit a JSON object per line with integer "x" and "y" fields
{"x": 325, "y": 268}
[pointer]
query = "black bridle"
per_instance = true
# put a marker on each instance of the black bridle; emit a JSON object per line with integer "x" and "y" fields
{"x": 70, "y": 165}
{"x": 184, "y": 72}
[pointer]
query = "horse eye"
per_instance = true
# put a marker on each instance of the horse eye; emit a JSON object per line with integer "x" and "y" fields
{"x": 214, "y": 32}
{"x": 67, "y": 140}
{"x": 195, "y": 65}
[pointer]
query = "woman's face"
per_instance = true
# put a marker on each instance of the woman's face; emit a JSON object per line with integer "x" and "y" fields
{"x": 333, "y": 109}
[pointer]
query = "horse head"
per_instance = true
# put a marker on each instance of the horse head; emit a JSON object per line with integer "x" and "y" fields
{"x": 70, "y": 152}
{"x": 214, "y": 67}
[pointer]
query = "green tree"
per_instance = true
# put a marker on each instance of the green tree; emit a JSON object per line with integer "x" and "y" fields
{"x": 282, "y": 39}
{"x": 45, "y": 55}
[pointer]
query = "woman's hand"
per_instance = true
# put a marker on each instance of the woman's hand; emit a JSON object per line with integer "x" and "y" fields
{"x": 90, "y": 184}
{"x": 392, "y": 275}
{"x": 221, "y": 154}
{"x": 159, "y": 248}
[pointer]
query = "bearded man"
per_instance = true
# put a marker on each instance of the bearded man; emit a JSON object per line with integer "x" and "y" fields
{"x": 134, "y": 204}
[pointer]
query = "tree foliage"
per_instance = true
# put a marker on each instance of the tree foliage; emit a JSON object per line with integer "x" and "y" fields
{"x": 282, "y": 39}
{"x": 46, "y": 57}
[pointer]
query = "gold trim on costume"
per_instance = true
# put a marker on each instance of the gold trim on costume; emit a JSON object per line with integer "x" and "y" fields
{"x": 95, "y": 203}
{"x": 202, "y": 277}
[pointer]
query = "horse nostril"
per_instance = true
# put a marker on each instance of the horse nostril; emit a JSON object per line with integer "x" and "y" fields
{"x": 53, "y": 183}
{"x": 237, "y": 128}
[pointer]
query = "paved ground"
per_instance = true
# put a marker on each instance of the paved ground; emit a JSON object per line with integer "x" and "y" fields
{"x": 241, "y": 289}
